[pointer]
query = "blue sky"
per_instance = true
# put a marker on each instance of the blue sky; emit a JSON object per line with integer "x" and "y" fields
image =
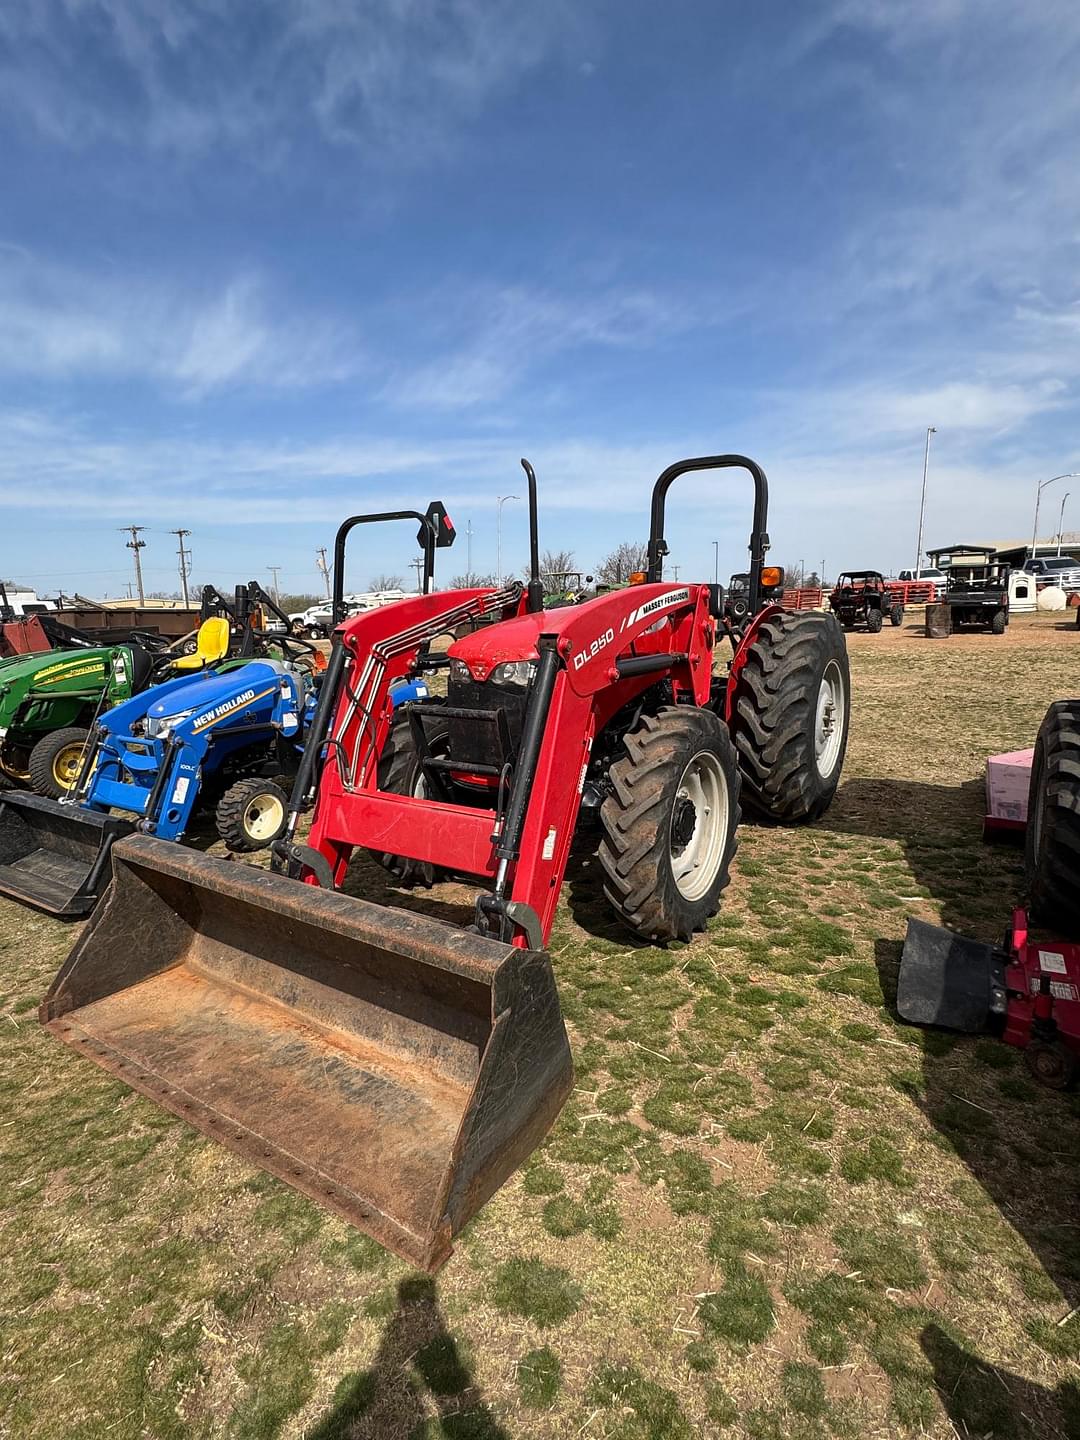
{"x": 266, "y": 264}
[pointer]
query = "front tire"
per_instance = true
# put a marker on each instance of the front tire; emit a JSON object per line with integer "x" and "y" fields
{"x": 670, "y": 823}
{"x": 873, "y": 621}
{"x": 1052, "y": 841}
{"x": 251, "y": 815}
{"x": 790, "y": 716}
{"x": 896, "y": 615}
{"x": 400, "y": 773}
{"x": 55, "y": 762}
{"x": 997, "y": 624}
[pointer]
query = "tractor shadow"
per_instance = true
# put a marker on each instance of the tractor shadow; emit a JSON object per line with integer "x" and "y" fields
{"x": 418, "y": 1367}
{"x": 983, "y": 1399}
{"x": 1013, "y": 1135}
{"x": 939, "y": 828}
{"x": 979, "y": 1099}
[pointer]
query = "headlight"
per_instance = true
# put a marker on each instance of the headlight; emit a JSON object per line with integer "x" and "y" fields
{"x": 514, "y": 672}
{"x": 459, "y": 671}
{"x": 158, "y": 726}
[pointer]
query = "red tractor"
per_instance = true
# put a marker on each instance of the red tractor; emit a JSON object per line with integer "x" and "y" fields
{"x": 390, "y": 1065}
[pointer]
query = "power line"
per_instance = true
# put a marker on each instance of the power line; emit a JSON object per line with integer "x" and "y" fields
{"x": 135, "y": 544}
{"x": 185, "y": 560}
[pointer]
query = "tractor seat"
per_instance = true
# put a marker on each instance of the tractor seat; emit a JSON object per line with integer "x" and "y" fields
{"x": 142, "y": 668}
{"x": 212, "y": 645}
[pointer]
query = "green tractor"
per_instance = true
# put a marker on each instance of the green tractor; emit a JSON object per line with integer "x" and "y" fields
{"x": 50, "y": 700}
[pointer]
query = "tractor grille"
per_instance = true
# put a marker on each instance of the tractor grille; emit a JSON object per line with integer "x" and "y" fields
{"x": 475, "y": 741}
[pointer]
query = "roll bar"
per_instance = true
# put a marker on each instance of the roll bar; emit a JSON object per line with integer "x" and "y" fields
{"x": 436, "y": 532}
{"x": 759, "y": 535}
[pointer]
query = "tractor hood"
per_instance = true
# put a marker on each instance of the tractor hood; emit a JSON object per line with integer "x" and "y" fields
{"x": 47, "y": 668}
{"x": 510, "y": 640}
{"x": 241, "y": 687}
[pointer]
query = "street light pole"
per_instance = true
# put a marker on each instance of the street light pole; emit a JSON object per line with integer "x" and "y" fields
{"x": 1061, "y": 517}
{"x": 499, "y": 503}
{"x": 930, "y": 430}
{"x": 716, "y": 562}
{"x": 1069, "y": 475}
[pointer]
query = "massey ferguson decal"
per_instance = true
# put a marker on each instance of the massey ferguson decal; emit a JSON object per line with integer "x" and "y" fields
{"x": 662, "y": 602}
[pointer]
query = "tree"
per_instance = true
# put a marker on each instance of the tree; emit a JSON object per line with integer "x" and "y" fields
{"x": 617, "y": 567}
{"x": 471, "y": 582}
{"x": 293, "y": 604}
{"x": 553, "y": 562}
{"x": 387, "y": 582}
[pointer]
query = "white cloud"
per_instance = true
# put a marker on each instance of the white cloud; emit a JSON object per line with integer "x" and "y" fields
{"x": 61, "y": 323}
{"x": 395, "y": 77}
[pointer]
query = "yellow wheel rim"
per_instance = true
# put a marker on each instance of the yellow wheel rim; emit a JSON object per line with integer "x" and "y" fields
{"x": 263, "y": 817}
{"x": 65, "y": 766}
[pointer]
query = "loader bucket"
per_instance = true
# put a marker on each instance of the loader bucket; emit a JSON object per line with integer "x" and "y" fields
{"x": 949, "y": 981}
{"x": 55, "y": 857}
{"x": 395, "y": 1069}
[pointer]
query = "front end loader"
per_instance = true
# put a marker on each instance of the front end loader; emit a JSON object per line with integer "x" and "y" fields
{"x": 395, "y": 1068}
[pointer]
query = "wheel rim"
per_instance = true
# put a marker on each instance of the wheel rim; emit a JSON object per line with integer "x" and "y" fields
{"x": 829, "y": 720}
{"x": 263, "y": 817}
{"x": 697, "y": 833}
{"x": 65, "y": 766}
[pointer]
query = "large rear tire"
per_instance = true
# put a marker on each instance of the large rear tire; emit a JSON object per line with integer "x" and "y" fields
{"x": 400, "y": 773}
{"x": 1052, "y": 842}
{"x": 55, "y": 762}
{"x": 997, "y": 624}
{"x": 790, "y": 717}
{"x": 670, "y": 823}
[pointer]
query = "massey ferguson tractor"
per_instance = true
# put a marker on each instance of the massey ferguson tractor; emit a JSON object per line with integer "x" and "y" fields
{"x": 393, "y": 1067}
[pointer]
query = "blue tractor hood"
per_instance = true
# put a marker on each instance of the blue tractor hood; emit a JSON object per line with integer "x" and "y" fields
{"x": 215, "y": 690}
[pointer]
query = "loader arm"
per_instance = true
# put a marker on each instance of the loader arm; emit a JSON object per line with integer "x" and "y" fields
{"x": 602, "y": 655}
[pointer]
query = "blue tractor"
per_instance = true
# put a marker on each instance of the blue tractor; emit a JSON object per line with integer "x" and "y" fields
{"x": 228, "y": 736}
{"x": 215, "y": 738}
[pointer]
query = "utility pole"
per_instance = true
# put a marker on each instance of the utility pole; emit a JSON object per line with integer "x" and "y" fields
{"x": 418, "y": 566}
{"x": 320, "y": 564}
{"x": 930, "y": 430}
{"x": 273, "y": 569}
{"x": 675, "y": 568}
{"x": 716, "y": 562}
{"x": 185, "y": 557}
{"x": 468, "y": 551}
{"x": 136, "y": 545}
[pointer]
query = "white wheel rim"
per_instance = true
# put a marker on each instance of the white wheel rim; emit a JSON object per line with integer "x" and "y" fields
{"x": 263, "y": 817}
{"x": 829, "y": 720}
{"x": 696, "y": 860}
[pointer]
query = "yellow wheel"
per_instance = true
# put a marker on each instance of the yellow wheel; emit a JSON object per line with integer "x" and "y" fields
{"x": 55, "y": 762}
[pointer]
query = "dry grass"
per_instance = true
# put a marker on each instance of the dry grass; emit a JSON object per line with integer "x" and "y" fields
{"x": 768, "y": 1210}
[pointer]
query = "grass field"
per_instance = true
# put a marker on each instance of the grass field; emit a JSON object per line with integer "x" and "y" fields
{"x": 768, "y": 1211}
